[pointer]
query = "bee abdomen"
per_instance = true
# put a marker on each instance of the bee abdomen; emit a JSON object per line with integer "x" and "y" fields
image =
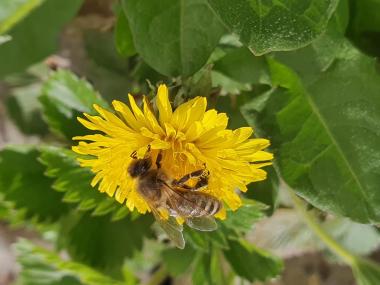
{"x": 205, "y": 206}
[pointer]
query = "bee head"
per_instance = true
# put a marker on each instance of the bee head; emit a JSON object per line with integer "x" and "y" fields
{"x": 139, "y": 167}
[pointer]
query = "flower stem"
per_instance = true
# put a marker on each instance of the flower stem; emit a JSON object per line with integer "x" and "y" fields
{"x": 310, "y": 220}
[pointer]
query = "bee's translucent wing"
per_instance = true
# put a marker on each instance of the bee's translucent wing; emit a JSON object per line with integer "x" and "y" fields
{"x": 171, "y": 227}
{"x": 206, "y": 223}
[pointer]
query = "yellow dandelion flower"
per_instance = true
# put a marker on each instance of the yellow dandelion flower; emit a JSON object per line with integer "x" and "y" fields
{"x": 188, "y": 137}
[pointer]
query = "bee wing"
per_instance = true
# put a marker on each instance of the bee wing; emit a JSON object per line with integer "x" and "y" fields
{"x": 206, "y": 223}
{"x": 171, "y": 227}
{"x": 176, "y": 197}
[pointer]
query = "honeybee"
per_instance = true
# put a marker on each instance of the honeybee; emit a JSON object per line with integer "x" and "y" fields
{"x": 174, "y": 196}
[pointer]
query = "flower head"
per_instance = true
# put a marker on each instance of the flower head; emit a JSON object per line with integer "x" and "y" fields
{"x": 189, "y": 138}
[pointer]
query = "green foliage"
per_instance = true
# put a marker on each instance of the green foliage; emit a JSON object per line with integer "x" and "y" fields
{"x": 35, "y": 37}
{"x": 102, "y": 243}
{"x": 265, "y": 26}
{"x": 25, "y": 110}
{"x": 23, "y": 183}
{"x": 75, "y": 183}
{"x": 65, "y": 97}
{"x": 315, "y": 97}
{"x": 333, "y": 165}
{"x": 123, "y": 36}
{"x": 39, "y": 266}
{"x": 171, "y": 41}
{"x": 178, "y": 261}
{"x": 13, "y": 11}
{"x": 243, "y": 257}
{"x": 366, "y": 272}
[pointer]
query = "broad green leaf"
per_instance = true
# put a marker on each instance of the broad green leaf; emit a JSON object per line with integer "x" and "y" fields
{"x": 13, "y": 11}
{"x": 326, "y": 134}
{"x": 104, "y": 244}
{"x": 177, "y": 261}
{"x": 22, "y": 182}
{"x": 265, "y": 26}
{"x": 40, "y": 266}
{"x": 75, "y": 182}
{"x": 123, "y": 36}
{"x": 36, "y": 36}
{"x": 174, "y": 37}
{"x": 25, "y": 110}
{"x": 64, "y": 97}
{"x": 252, "y": 263}
{"x": 317, "y": 57}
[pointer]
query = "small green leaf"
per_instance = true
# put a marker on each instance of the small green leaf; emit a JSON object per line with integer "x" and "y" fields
{"x": 39, "y": 266}
{"x": 23, "y": 183}
{"x": 243, "y": 219}
{"x": 123, "y": 36}
{"x": 75, "y": 182}
{"x": 174, "y": 37}
{"x": 36, "y": 36}
{"x": 252, "y": 263}
{"x": 104, "y": 244}
{"x": 13, "y": 11}
{"x": 265, "y": 26}
{"x": 177, "y": 261}
{"x": 64, "y": 97}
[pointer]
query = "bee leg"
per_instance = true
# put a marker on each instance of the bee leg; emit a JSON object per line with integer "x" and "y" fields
{"x": 158, "y": 160}
{"x": 202, "y": 174}
{"x": 134, "y": 155}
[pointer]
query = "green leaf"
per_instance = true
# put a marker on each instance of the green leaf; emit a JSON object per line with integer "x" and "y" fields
{"x": 36, "y": 36}
{"x": 208, "y": 269}
{"x": 64, "y": 97}
{"x": 265, "y": 26}
{"x": 177, "y": 261}
{"x": 174, "y": 37}
{"x": 123, "y": 36}
{"x": 101, "y": 49}
{"x": 75, "y": 182}
{"x": 366, "y": 272}
{"x": 13, "y": 11}
{"x": 241, "y": 65}
{"x": 365, "y": 25}
{"x": 252, "y": 263}
{"x": 326, "y": 134}
{"x": 39, "y": 266}
{"x": 242, "y": 220}
{"x": 265, "y": 191}
{"x": 23, "y": 183}
{"x": 25, "y": 110}
{"x": 104, "y": 244}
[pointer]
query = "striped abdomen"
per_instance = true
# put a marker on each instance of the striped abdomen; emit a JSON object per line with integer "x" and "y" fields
{"x": 197, "y": 204}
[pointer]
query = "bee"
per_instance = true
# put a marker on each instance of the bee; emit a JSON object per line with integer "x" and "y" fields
{"x": 174, "y": 196}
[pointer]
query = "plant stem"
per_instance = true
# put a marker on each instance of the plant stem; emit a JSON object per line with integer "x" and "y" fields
{"x": 158, "y": 276}
{"x": 310, "y": 220}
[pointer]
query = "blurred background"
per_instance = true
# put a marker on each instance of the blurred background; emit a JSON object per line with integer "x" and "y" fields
{"x": 83, "y": 41}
